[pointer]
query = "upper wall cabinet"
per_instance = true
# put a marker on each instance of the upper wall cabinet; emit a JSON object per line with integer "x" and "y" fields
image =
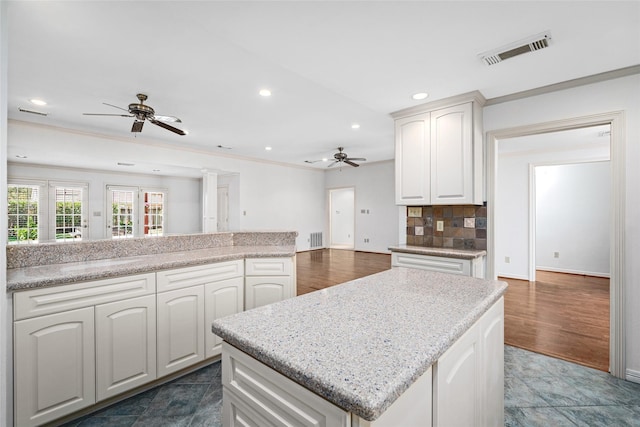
{"x": 439, "y": 152}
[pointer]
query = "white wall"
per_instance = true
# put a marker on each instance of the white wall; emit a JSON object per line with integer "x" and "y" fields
{"x": 572, "y": 218}
{"x": 184, "y": 198}
{"x": 621, "y": 94}
{"x": 512, "y": 200}
{"x": 375, "y": 193}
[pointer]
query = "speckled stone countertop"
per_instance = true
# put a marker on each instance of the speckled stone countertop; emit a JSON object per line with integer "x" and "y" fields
{"x": 443, "y": 252}
{"x": 361, "y": 344}
{"x": 43, "y": 265}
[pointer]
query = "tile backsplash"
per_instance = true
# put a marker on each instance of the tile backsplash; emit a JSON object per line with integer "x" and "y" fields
{"x": 464, "y": 226}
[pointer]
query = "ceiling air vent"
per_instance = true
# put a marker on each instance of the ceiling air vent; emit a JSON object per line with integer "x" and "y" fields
{"x": 530, "y": 44}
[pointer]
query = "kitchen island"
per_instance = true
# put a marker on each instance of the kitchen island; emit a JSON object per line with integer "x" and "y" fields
{"x": 401, "y": 347}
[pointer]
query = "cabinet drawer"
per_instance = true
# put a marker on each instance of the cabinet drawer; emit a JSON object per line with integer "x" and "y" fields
{"x": 269, "y": 398}
{"x": 432, "y": 263}
{"x": 41, "y": 301}
{"x": 198, "y": 275}
{"x": 268, "y": 266}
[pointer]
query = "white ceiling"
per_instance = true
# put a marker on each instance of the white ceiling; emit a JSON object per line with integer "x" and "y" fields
{"x": 328, "y": 65}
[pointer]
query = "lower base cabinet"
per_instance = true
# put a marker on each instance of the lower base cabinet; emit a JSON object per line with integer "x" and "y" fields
{"x": 75, "y": 345}
{"x": 180, "y": 329}
{"x": 465, "y": 267}
{"x": 54, "y": 365}
{"x": 465, "y": 387}
{"x": 125, "y": 345}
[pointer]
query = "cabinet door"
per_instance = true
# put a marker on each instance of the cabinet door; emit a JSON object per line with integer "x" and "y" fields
{"x": 221, "y": 299}
{"x": 492, "y": 339}
{"x": 180, "y": 329}
{"x": 452, "y": 167}
{"x": 456, "y": 388}
{"x": 413, "y": 160}
{"x": 125, "y": 345}
{"x": 54, "y": 366}
{"x": 261, "y": 291}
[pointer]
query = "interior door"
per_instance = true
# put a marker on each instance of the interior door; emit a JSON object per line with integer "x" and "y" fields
{"x": 342, "y": 218}
{"x": 223, "y": 208}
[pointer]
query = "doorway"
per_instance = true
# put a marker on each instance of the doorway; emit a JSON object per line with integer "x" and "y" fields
{"x": 342, "y": 218}
{"x": 616, "y": 226}
{"x": 223, "y": 208}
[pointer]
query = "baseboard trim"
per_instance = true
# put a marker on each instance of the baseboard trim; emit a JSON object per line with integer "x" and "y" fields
{"x": 633, "y": 376}
{"x": 512, "y": 276}
{"x": 569, "y": 271}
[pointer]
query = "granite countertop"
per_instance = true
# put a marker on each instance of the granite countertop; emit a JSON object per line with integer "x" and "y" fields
{"x": 443, "y": 252}
{"x": 71, "y": 272}
{"x": 361, "y": 344}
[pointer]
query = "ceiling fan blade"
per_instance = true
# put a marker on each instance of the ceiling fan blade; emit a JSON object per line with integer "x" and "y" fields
{"x": 115, "y": 106}
{"x": 349, "y": 162}
{"x": 137, "y": 126}
{"x": 113, "y": 115}
{"x": 168, "y": 119}
{"x": 357, "y": 159}
{"x": 167, "y": 127}
{"x": 333, "y": 164}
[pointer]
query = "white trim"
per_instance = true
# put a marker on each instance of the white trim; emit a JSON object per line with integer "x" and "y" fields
{"x": 633, "y": 376}
{"x": 532, "y": 223}
{"x": 569, "y": 271}
{"x": 512, "y": 276}
{"x": 617, "y": 346}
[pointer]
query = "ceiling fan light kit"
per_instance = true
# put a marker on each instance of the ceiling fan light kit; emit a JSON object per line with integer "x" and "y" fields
{"x": 141, "y": 112}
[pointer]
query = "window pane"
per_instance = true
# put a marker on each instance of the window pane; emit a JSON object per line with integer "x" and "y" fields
{"x": 123, "y": 215}
{"x": 68, "y": 213}
{"x": 153, "y": 213}
{"x": 22, "y": 204}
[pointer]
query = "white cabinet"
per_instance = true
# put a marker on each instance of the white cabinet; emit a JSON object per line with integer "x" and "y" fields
{"x": 180, "y": 329}
{"x": 439, "y": 152}
{"x": 54, "y": 366}
{"x": 413, "y": 160}
{"x": 189, "y": 300}
{"x": 468, "y": 381}
{"x": 125, "y": 345}
{"x": 268, "y": 280}
{"x": 456, "y": 383}
{"x": 55, "y": 341}
{"x": 256, "y": 395}
{"x": 466, "y": 267}
{"x": 221, "y": 299}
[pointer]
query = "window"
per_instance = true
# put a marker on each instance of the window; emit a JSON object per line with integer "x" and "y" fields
{"x": 153, "y": 213}
{"x": 24, "y": 213}
{"x": 127, "y": 214}
{"x": 69, "y": 211}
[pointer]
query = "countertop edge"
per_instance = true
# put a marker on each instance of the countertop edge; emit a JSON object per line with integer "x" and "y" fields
{"x": 441, "y": 252}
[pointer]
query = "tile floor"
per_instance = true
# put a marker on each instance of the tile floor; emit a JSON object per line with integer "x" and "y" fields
{"x": 539, "y": 391}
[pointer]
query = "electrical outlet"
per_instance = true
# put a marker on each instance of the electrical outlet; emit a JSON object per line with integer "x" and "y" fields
{"x": 507, "y": 260}
{"x": 439, "y": 225}
{"x": 556, "y": 254}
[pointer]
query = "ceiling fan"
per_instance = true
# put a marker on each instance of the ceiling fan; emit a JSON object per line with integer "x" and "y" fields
{"x": 142, "y": 112}
{"x": 341, "y": 157}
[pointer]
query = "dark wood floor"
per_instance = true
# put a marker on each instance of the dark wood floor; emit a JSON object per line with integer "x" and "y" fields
{"x": 327, "y": 267}
{"x": 561, "y": 315}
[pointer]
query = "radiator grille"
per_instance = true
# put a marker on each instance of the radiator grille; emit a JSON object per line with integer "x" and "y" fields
{"x": 316, "y": 240}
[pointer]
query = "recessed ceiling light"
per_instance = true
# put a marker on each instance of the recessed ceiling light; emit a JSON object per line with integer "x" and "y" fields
{"x": 267, "y": 148}
{"x": 325, "y": 159}
{"x": 21, "y": 156}
{"x": 355, "y": 126}
{"x": 420, "y": 95}
{"x": 36, "y": 101}
{"x": 265, "y": 92}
